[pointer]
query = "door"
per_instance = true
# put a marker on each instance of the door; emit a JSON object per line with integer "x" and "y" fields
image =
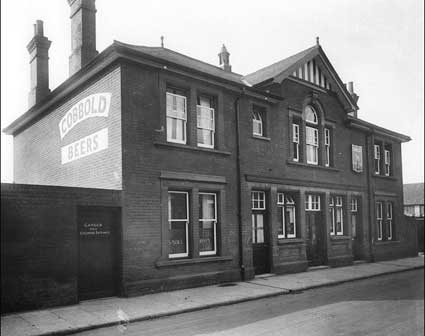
{"x": 356, "y": 235}
{"x": 260, "y": 243}
{"x": 315, "y": 238}
{"x": 97, "y": 275}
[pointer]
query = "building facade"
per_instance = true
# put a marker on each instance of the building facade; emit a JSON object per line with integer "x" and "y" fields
{"x": 221, "y": 176}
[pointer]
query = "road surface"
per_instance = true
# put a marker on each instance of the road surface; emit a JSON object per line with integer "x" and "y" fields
{"x": 385, "y": 305}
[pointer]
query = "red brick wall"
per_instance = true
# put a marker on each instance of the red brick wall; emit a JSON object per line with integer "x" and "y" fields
{"x": 39, "y": 243}
{"x": 37, "y": 149}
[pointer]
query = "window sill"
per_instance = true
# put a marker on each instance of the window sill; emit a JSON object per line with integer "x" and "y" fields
{"x": 391, "y": 177}
{"x": 340, "y": 238}
{"x": 386, "y": 242}
{"x": 200, "y": 260}
{"x": 284, "y": 241}
{"x": 307, "y": 165}
{"x": 259, "y": 137}
{"x": 192, "y": 148}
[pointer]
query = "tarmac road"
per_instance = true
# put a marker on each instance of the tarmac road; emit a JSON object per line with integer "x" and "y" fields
{"x": 385, "y": 305}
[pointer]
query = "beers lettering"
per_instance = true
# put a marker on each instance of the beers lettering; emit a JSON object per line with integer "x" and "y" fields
{"x": 95, "y": 105}
{"x": 85, "y": 146}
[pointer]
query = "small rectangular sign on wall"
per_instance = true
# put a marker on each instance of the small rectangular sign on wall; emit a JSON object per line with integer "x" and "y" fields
{"x": 86, "y": 146}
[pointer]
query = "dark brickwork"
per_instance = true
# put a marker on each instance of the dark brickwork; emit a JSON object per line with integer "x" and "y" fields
{"x": 39, "y": 243}
{"x": 37, "y": 149}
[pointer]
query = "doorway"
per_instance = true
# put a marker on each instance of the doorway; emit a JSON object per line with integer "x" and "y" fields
{"x": 260, "y": 242}
{"x": 316, "y": 253}
{"x": 97, "y": 230}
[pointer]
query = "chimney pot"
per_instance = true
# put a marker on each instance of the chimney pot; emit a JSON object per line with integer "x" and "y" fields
{"x": 350, "y": 88}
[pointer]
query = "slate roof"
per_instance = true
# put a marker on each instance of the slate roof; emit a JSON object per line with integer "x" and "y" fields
{"x": 183, "y": 60}
{"x": 413, "y": 193}
{"x": 276, "y": 68}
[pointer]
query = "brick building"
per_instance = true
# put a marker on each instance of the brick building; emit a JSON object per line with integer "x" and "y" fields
{"x": 190, "y": 173}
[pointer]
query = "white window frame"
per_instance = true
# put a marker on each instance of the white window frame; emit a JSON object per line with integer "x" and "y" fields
{"x": 390, "y": 220}
{"x": 379, "y": 212}
{"x": 332, "y": 215}
{"x": 315, "y": 119}
{"x": 313, "y": 144}
{"x": 285, "y": 202}
{"x": 339, "y": 208}
{"x": 357, "y": 166}
{"x": 211, "y": 130}
{"x": 327, "y": 147}
{"x": 186, "y": 254}
{"x": 170, "y": 115}
{"x": 213, "y": 252}
{"x": 296, "y": 141}
{"x": 257, "y": 121}
{"x": 354, "y": 205}
{"x": 377, "y": 159}
{"x": 259, "y": 197}
{"x": 387, "y": 162}
{"x": 312, "y": 202}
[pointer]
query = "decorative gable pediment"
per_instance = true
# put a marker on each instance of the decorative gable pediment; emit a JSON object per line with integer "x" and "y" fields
{"x": 313, "y": 73}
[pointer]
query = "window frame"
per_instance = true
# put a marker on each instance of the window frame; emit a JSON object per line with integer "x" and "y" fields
{"x": 379, "y": 219}
{"x": 327, "y": 147}
{"x": 377, "y": 159}
{"x": 260, "y": 121}
{"x": 389, "y": 215}
{"x": 387, "y": 162}
{"x": 314, "y": 145}
{"x": 296, "y": 142}
{"x": 213, "y": 252}
{"x": 283, "y": 205}
{"x": 258, "y": 192}
{"x": 169, "y": 116}
{"x": 339, "y": 207}
{"x": 198, "y": 127}
{"x": 309, "y": 202}
{"x": 357, "y": 166}
{"x": 186, "y": 254}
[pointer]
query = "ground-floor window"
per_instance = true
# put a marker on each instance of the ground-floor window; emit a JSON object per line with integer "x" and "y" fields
{"x": 354, "y": 212}
{"x": 178, "y": 221}
{"x": 286, "y": 216}
{"x": 207, "y": 223}
{"x": 389, "y": 221}
{"x": 379, "y": 220}
{"x": 336, "y": 215}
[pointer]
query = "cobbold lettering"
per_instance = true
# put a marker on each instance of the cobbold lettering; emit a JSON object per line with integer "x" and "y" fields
{"x": 95, "y": 105}
{"x": 85, "y": 146}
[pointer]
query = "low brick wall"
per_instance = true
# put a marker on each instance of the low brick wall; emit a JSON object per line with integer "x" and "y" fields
{"x": 39, "y": 243}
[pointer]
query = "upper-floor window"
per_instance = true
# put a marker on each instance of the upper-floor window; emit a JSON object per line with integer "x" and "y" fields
{"x": 312, "y": 135}
{"x": 387, "y": 162}
{"x": 205, "y": 122}
{"x": 357, "y": 158}
{"x": 312, "y": 203}
{"x": 258, "y": 121}
{"x": 327, "y": 147}
{"x": 296, "y": 141}
{"x": 176, "y": 117}
{"x": 286, "y": 216}
{"x": 377, "y": 158}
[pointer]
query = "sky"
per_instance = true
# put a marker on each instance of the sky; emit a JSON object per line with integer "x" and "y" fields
{"x": 377, "y": 44}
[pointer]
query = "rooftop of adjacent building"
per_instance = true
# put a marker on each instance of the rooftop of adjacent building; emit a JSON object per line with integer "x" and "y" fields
{"x": 413, "y": 193}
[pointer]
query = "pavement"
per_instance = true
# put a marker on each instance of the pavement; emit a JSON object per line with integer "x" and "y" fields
{"x": 99, "y": 313}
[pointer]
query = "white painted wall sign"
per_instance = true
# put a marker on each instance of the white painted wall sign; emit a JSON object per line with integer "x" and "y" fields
{"x": 86, "y": 146}
{"x": 95, "y": 105}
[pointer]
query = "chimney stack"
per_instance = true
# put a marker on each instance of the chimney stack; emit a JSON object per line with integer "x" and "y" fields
{"x": 351, "y": 91}
{"x": 83, "y": 34}
{"x": 38, "y": 49}
{"x": 224, "y": 59}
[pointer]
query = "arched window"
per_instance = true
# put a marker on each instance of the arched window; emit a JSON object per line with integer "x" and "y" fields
{"x": 310, "y": 115}
{"x": 312, "y": 135}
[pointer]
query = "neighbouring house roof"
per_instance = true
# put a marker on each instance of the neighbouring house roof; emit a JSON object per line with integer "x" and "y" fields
{"x": 413, "y": 193}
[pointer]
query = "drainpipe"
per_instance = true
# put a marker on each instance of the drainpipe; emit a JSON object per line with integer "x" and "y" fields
{"x": 369, "y": 194}
{"x": 239, "y": 187}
